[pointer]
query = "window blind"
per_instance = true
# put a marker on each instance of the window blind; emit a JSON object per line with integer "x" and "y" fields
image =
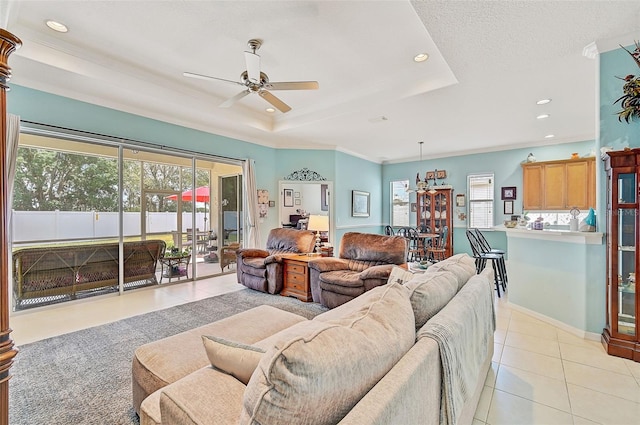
{"x": 480, "y": 200}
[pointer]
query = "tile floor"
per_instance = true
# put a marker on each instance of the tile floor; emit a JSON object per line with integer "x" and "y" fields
{"x": 540, "y": 374}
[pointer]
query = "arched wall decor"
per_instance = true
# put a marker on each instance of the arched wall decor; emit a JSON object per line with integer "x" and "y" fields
{"x": 305, "y": 175}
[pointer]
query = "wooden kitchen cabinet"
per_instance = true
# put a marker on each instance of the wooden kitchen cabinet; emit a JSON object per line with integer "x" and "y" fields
{"x": 559, "y": 185}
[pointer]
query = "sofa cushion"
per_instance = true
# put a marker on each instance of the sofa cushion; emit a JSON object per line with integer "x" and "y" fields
{"x": 318, "y": 370}
{"x": 429, "y": 292}
{"x": 234, "y": 358}
{"x": 461, "y": 265}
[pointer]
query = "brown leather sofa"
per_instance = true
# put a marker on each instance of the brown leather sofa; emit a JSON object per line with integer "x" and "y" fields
{"x": 262, "y": 269}
{"x": 365, "y": 262}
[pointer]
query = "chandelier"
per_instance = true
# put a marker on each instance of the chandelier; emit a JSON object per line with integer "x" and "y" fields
{"x": 422, "y": 186}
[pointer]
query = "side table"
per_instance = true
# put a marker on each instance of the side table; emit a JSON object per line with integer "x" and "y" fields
{"x": 170, "y": 264}
{"x": 296, "y": 277}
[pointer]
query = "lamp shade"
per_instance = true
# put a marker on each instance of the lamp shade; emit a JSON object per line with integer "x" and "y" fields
{"x": 318, "y": 223}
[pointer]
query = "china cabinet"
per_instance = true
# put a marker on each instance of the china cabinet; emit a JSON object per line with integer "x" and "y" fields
{"x": 434, "y": 209}
{"x": 620, "y": 336}
{"x": 559, "y": 185}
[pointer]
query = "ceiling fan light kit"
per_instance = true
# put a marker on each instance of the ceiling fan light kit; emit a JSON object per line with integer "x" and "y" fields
{"x": 256, "y": 81}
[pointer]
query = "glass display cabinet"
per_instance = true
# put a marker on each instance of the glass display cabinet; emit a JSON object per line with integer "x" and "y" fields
{"x": 620, "y": 336}
{"x": 434, "y": 210}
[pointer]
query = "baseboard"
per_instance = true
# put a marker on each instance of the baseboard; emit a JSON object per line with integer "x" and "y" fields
{"x": 591, "y": 336}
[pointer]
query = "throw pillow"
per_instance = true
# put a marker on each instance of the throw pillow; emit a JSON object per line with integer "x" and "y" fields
{"x": 236, "y": 359}
{"x": 429, "y": 293}
{"x": 318, "y": 370}
{"x": 399, "y": 275}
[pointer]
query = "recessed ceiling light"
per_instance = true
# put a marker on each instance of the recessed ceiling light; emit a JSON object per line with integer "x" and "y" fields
{"x": 542, "y": 116}
{"x": 421, "y": 57}
{"x": 549, "y": 136}
{"x": 57, "y": 26}
{"x": 543, "y": 101}
{"x": 270, "y": 110}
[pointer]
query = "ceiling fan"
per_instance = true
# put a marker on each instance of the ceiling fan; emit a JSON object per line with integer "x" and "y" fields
{"x": 256, "y": 81}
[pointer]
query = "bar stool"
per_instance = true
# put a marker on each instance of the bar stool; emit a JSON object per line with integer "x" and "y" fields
{"x": 487, "y": 249}
{"x": 497, "y": 261}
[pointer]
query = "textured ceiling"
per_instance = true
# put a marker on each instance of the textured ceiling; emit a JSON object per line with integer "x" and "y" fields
{"x": 489, "y": 62}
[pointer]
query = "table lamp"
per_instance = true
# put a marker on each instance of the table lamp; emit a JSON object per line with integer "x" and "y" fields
{"x": 318, "y": 223}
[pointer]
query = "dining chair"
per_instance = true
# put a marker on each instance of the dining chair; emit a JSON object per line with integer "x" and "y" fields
{"x": 438, "y": 250}
{"x": 414, "y": 252}
{"x": 388, "y": 230}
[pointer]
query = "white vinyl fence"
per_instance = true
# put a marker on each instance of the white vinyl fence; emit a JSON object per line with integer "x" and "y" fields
{"x": 31, "y": 226}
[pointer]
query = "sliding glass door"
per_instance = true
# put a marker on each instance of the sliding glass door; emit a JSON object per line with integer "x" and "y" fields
{"x": 82, "y": 197}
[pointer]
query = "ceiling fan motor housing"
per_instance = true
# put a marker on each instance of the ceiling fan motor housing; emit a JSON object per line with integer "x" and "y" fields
{"x": 244, "y": 78}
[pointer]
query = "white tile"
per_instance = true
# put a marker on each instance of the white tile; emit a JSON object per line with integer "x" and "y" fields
{"x": 499, "y": 336}
{"x": 502, "y": 323}
{"x": 541, "y": 389}
{"x": 577, "y": 420}
{"x": 483, "y": 404}
{"x": 568, "y": 338}
{"x": 534, "y": 344}
{"x": 593, "y": 358}
{"x": 532, "y": 362}
{"x": 490, "y": 380}
{"x": 540, "y": 329}
{"x": 508, "y": 409}
{"x": 602, "y": 408}
{"x": 616, "y": 384}
{"x": 497, "y": 352}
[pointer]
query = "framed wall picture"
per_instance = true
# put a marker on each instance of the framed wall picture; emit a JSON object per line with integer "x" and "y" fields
{"x": 360, "y": 203}
{"x": 296, "y": 194}
{"x": 509, "y": 193}
{"x": 441, "y": 174}
{"x": 297, "y": 201}
{"x": 459, "y": 200}
{"x": 430, "y": 175}
{"x": 288, "y": 197}
{"x": 414, "y": 207}
{"x": 272, "y": 204}
{"x": 508, "y": 207}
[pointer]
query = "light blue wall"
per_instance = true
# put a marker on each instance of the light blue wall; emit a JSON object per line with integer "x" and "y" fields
{"x": 357, "y": 174}
{"x": 507, "y": 172}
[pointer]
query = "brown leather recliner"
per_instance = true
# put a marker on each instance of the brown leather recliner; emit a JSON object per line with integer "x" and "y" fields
{"x": 262, "y": 269}
{"x": 365, "y": 262}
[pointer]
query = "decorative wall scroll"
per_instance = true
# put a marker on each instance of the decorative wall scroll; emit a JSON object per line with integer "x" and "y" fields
{"x": 305, "y": 175}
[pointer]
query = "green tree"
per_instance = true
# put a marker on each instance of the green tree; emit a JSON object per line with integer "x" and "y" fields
{"x": 51, "y": 180}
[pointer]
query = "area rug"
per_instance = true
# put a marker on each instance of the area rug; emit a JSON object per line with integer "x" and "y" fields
{"x": 85, "y": 377}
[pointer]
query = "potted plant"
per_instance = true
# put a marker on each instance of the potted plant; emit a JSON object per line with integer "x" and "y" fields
{"x": 630, "y": 101}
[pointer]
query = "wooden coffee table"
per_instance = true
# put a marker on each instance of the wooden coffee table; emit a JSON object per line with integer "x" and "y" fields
{"x": 296, "y": 277}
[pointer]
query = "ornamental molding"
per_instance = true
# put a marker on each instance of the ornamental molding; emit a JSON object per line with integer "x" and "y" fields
{"x": 305, "y": 175}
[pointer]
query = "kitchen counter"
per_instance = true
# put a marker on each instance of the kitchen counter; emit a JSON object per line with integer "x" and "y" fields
{"x": 557, "y": 235}
{"x": 552, "y": 275}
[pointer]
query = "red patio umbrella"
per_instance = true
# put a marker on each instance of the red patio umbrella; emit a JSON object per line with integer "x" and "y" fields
{"x": 202, "y": 195}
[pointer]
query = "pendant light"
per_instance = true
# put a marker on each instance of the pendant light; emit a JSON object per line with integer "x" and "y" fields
{"x": 421, "y": 185}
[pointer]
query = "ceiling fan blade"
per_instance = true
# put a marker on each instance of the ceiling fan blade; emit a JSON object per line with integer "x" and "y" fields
{"x": 208, "y": 78}
{"x": 293, "y": 85}
{"x": 227, "y": 103}
{"x": 253, "y": 66}
{"x": 280, "y": 105}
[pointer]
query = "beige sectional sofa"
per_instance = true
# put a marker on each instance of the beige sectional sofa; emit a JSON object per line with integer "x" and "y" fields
{"x": 413, "y": 351}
